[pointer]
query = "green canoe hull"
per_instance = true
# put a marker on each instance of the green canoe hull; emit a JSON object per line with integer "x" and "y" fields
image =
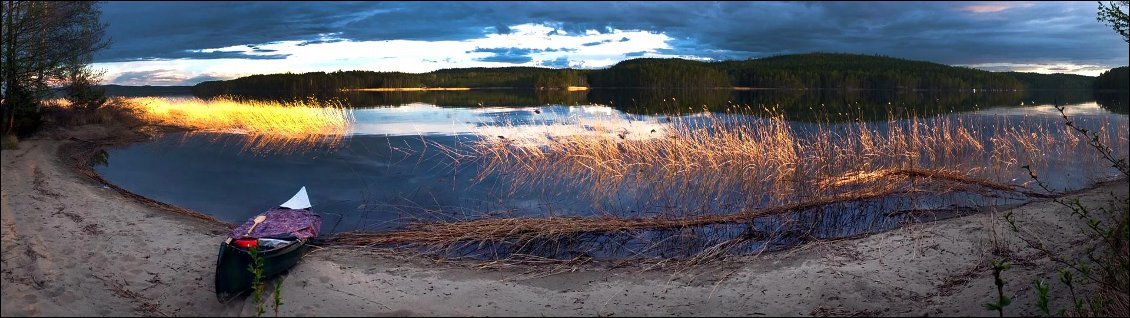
{"x": 233, "y": 278}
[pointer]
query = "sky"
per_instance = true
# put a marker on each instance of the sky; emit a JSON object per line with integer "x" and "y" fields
{"x": 184, "y": 43}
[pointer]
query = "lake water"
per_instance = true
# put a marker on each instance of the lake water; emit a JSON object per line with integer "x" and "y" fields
{"x": 401, "y": 163}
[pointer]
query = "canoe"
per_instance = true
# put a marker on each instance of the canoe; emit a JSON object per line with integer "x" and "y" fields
{"x": 280, "y": 234}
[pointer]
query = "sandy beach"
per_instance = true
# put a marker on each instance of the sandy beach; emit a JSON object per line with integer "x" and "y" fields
{"x": 73, "y": 246}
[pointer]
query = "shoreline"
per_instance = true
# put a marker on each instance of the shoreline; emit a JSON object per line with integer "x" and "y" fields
{"x": 429, "y": 89}
{"x": 78, "y": 246}
{"x": 81, "y": 154}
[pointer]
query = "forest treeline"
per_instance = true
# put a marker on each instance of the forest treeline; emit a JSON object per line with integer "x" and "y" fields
{"x": 799, "y": 71}
{"x": 1115, "y": 79}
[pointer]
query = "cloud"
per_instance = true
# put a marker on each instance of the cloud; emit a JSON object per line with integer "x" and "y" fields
{"x": 986, "y": 8}
{"x": 511, "y": 55}
{"x": 944, "y": 32}
{"x": 560, "y": 62}
{"x": 525, "y": 45}
{"x": 1044, "y": 68}
{"x": 162, "y": 77}
{"x": 597, "y": 43}
{"x": 230, "y": 55}
{"x": 202, "y": 78}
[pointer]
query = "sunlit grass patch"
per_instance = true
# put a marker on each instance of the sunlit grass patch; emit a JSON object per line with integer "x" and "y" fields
{"x": 267, "y": 125}
{"x": 250, "y": 117}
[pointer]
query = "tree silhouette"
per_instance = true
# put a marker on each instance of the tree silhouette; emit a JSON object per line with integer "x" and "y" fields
{"x": 47, "y": 44}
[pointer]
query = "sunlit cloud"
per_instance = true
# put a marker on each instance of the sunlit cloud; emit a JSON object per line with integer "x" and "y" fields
{"x": 523, "y": 45}
{"x": 529, "y": 126}
{"x": 1047, "y": 68}
{"x": 994, "y": 7}
{"x": 985, "y": 8}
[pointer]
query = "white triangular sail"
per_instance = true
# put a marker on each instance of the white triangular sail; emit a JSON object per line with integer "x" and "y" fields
{"x": 299, "y": 201}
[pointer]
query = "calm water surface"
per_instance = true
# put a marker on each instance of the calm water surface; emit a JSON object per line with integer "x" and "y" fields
{"x": 389, "y": 171}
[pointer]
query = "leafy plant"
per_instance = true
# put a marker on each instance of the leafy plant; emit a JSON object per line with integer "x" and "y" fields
{"x": 1114, "y": 14}
{"x": 1002, "y": 300}
{"x": 1108, "y": 228}
{"x": 1042, "y": 293}
{"x": 256, "y": 269}
{"x": 278, "y": 296}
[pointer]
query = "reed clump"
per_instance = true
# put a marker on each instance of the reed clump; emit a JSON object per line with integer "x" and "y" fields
{"x": 756, "y": 162}
{"x": 711, "y": 169}
{"x": 732, "y": 168}
{"x": 285, "y": 119}
{"x": 264, "y": 126}
{"x": 527, "y": 229}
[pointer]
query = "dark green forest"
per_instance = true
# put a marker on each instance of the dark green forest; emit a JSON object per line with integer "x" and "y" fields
{"x": 322, "y": 83}
{"x": 1037, "y": 81}
{"x": 1115, "y": 79}
{"x": 799, "y": 71}
{"x": 851, "y": 71}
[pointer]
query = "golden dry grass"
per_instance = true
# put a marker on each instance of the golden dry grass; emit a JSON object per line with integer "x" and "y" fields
{"x": 528, "y": 228}
{"x": 251, "y": 117}
{"x": 263, "y": 126}
{"x": 767, "y": 166}
{"x": 266, "y": 126}
{"x": 768, "y": 162}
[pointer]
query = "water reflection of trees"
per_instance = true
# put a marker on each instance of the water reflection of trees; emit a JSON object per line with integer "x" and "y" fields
{"x": 1115, "y": 102}
{"x": 801, "y": 105}
{"x": 471, "y": 98}
{"x": 807, "y": 105}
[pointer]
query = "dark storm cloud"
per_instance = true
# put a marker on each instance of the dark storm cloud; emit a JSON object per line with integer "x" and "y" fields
{"x": 945, "y": 32}
{"x": 228, "y": 55}
{"x": 147, "y": 30}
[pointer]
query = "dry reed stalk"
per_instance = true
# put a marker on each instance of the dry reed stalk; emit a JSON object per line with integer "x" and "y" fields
{"x": 768, "y": 163}
{"x": 266, "y": 125}
{"x": 766, "y": 157}
{"x": 525, "y": 229}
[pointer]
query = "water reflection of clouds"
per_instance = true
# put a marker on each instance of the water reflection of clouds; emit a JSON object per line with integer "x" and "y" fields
{"x": 527, "y": 125}
{"x": 1091, "y": 108}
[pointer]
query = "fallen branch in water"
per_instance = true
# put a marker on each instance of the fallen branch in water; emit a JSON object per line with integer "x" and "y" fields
{"x": 526, "y": 229}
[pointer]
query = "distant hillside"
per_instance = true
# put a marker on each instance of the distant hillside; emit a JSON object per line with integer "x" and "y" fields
{"x": 321, "y": 83}
{"x": 1052, "y": 81}
{"x": 661, "y": 73}
{"x": 799, "y": 71}
{"x": 851, "y": 71}
{"x": 130, "y": 91}
{"x": 1115, "y": 79}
